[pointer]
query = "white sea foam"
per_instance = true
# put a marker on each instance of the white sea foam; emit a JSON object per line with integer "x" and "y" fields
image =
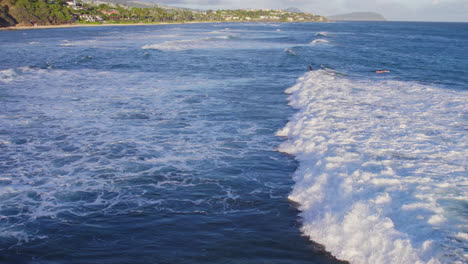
{"x": 290, "y": 51}
{"x": 67, "y": 43}
{"x": 87, "y": 163}
{"x": 187, "y": 44}
{"x": 231, "y": 41}
{"x": 9, "y": 75}
{"x": 383, "y": 166}
{"x": 319, "y": 41}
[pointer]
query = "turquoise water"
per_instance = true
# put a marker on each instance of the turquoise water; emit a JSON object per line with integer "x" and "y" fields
{"x": 176, "y": 144}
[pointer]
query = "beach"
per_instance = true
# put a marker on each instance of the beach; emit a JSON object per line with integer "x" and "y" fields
{"x": 95, "y": 25}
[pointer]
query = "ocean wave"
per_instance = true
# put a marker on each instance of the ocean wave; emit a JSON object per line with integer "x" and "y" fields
{"x": 321, "y": 34}
{"x": 7, "y": 75}
{"x": 188, "y": 44}
{"x": 290, "y": 51}
{"x": 319, "y": 41}
{"x": 382, "y": 168}
{"x": 93, "y": 150}
{"x": 13, "y": 74}
{"x": 67, "y": 43}
{"x": 223, "y": 37}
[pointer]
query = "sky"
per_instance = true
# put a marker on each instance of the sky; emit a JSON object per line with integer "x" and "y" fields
{"x": 398, "y": 10}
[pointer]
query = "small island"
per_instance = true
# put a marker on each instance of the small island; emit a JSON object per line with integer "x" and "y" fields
{"x": 34, "y": 13}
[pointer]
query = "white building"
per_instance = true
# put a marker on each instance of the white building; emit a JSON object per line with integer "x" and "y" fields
{"x": 91, "y": 18}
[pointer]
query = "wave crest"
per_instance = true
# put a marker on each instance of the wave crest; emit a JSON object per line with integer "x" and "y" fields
{"x": 376, "y": 170}
{"x": 319, "y": 41}
{"x": 321, "y": 34}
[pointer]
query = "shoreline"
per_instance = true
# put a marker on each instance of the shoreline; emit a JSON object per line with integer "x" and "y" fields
{"x": 137, "y": 24}
{"x": 97, "y": 25}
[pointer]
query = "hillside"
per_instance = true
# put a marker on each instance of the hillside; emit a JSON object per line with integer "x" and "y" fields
{"x": 129, "y": 3}
{"x": 359, "y": 16}
{"x": 57, "y": 12}
{"x": 5, "y": 19}
{"x": 33, "y": 12}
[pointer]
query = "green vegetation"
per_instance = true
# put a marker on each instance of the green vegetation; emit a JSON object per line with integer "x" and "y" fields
{"x": 54, "y": 12}
{"x": 267, "y": 15}
{"x": 40, "y": 12}
{"x": 123, "y": 14}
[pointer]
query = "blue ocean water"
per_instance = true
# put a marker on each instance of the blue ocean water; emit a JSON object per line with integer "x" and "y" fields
{"x": 178, "y": 143}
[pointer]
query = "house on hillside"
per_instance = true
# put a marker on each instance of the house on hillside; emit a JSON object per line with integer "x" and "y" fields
{"x": 91, "y": 18}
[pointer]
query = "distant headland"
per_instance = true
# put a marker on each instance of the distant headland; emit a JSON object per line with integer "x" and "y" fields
{"x": 359, "y": 16}
{"x": 40, "y": 13}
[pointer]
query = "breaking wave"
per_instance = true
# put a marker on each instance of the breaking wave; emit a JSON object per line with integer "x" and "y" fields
{"x": 188, "y": 44}
{"x": 9, "y": 75}
{"x": 321, "y": 34}
{"x": 319, "y": 41}
{"x": 290, "y": 51}
{"x": 383, "y": 165}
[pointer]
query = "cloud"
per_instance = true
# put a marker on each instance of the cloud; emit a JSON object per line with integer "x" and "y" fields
{"x": 455, "y": 11}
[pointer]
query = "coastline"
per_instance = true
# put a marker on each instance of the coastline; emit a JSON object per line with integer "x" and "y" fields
{"x": 98, "y": 25}
{"x": 135, "y": 24}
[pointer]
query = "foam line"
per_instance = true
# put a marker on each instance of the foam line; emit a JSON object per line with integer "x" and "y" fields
{"x": 381, "y": 165}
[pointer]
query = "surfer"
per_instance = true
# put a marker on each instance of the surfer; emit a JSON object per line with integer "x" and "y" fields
{"x": 382, "y": 71}
{"x": 310, "y": 68}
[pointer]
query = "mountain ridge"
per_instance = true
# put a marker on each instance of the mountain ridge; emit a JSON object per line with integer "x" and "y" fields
{"x": 358, "y": 16}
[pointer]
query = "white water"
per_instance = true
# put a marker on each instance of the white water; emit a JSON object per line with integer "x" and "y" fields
{"x": 319, "y": 41}
{"x": 179, "y": 45}
{"x": 383, "y": 166}
{"x": 107, "y": 142}
{"x": 226, "y": 42}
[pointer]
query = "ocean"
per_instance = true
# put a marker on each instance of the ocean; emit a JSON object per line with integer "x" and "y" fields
{"x": 214, "y": 143}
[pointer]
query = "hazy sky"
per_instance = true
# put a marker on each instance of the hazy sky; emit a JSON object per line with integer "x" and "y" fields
{"x": 403, "y": 10}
